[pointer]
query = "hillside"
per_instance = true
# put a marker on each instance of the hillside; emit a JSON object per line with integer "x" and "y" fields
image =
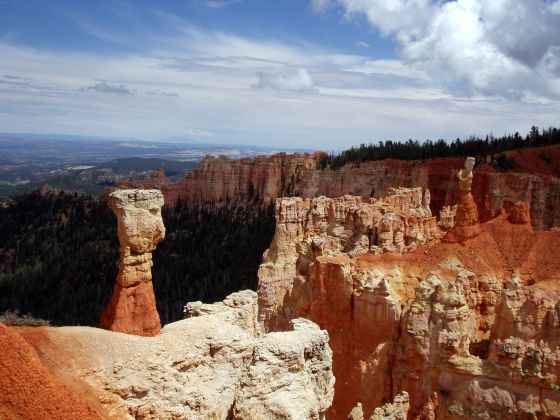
{"x": 63, "y": 247}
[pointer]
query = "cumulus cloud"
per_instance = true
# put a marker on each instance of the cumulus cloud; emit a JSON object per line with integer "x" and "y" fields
{"x": 494, "y": 47}
{"x": 288, "y": 79}
{"x": 555, "y": 7}
{"x": 305, "y": 90}
{"x": 104, "y": 87}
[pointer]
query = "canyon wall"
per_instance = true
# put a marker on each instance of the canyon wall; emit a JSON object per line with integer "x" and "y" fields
{"x": 466, "y": 330}
{"x": 263, "y": 179}
{"x": 219, "y": 179}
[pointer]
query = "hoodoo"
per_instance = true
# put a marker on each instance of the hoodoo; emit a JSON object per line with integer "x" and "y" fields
{"x": 441, "y": 329}
{"x": 132, "y": 308}
{"x": 466, "y": 216}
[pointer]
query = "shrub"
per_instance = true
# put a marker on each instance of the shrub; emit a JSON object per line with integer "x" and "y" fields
{"x": 14, "y": 319}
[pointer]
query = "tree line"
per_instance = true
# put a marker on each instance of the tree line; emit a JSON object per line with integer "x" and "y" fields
{"x": 59, "y": 255}
{"x": 414, "y": 150}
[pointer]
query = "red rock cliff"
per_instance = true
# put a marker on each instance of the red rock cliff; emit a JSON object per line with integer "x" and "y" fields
{"x": 263, "y": 179}
{"x": 466, "y": 330}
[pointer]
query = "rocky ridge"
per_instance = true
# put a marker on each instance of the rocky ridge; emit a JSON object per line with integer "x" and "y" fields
{"x": 464, "y": 329}
{"x": 215, "y": 364}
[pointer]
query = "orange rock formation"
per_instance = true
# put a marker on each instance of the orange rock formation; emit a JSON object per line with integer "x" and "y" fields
{"x": 132, "y": 308}
{"x": 30, "y": 391}
{"x": 465, "y": 225}
{"x": 262, "y": 180}
{"x": 466, "y": 330}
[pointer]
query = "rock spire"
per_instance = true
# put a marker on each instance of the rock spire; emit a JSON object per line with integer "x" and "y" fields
{"x": 132, "y": 308}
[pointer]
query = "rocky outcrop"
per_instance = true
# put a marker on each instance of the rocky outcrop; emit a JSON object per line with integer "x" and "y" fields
{"x": 503, "y": 190}
{"x": 262, "y": 180}
{"x": 132, "y": 308}
{"x": 309, "y": 270}
{"x": 465, "y": 331}
{"x": 332, "y": 230}
{"x": 215, "y": 364}
{"x": 397, "y": 410}
{"x": 465, "y": 225}
{"x": 219, "y": 179}
{"x": 520, "y": 213}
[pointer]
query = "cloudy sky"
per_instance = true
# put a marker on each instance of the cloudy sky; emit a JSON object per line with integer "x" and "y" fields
{"x": 295, "y": 73}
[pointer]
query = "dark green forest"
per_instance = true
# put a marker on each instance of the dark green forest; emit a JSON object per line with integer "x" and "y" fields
{"x": 414, "y": 150}
{"x": 59, "y": 254}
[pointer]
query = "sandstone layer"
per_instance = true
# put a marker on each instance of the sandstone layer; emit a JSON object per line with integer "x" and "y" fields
{"x": 325, "y": 229}
{"x": 262, "y": 180}
{"x": 132, "y": 308}
{"x": 465, "y": 225}
{"x": 215, "y": 364}
{"x": 465, "y": 329}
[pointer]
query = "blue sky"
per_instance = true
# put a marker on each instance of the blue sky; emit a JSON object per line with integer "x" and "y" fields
{"x": 323, "y": 74}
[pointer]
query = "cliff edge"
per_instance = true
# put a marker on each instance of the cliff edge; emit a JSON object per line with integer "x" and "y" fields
{"x": 466, "y": 328}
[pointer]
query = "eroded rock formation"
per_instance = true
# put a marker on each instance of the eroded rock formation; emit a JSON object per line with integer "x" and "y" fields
{"x": 264, "y": 179}
{"x": 132, "y": 308}
{"x": 216, "y": 364}
{"x": 466, "y": 331}
{"x": 330, "y": 231}
{"x": 466, "y": 224}
{"x": 219, "y": 179}
{"x": 398, "y": 410}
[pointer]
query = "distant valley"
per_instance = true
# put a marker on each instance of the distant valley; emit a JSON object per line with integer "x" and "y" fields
{"x": 91, "y": 164}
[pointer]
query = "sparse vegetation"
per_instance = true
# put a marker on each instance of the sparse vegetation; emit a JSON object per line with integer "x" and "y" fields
{"x": 502, "y": 163}
{"x": 14, "y": 319}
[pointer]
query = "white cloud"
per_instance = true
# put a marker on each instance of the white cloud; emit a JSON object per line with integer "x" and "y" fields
{"x": 198, "y": 133}
{"x": 555, "y": 7}
{"x": 287, "y": 79}
{"x": 104, "y": 87}
{"x": 309, "y": 97}
{"x": 494, "y": 47}
{"x": 362, "y": 44}
{"x": 216, "y": 4}
{"x": 318, "y": 6}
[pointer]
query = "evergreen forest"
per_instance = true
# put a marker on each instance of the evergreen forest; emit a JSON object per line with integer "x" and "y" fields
{"x": 59, "y": 255}
{"x": 414, "y": 150}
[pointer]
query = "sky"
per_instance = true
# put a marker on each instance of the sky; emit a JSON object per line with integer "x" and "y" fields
{"x": 319, "y": 74}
